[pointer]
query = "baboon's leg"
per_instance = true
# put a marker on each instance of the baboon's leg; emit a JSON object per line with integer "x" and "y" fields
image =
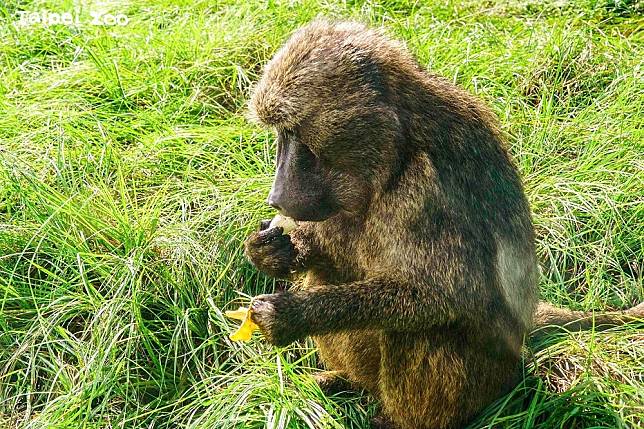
{"x": 441, "y": 380}
{"x": 333, "y": 381}
{"x": 355, "y": 354}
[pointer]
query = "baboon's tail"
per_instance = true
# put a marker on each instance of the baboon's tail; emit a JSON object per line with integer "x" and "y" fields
{"x": 548, "y": 317}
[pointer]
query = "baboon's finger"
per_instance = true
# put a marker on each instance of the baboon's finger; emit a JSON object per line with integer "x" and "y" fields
{"x": 268, "y": 235}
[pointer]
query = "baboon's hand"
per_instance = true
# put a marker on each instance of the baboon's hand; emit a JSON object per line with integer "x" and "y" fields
{"x": 279, "y": 317}
{"x": 270, "y": 251}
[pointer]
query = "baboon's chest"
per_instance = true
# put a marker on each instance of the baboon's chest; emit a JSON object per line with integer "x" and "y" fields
{"x": 342, "y": 256}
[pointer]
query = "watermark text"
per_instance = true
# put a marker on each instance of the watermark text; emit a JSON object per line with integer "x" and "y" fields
{"x": 46, "y": 18}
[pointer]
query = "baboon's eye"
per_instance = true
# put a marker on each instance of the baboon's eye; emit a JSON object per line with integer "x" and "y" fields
{"x": 313, "y": 154}
{"x": 309, "y": 152}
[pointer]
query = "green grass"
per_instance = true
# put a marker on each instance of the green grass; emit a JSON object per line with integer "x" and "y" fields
{"x": 129, "y": 179}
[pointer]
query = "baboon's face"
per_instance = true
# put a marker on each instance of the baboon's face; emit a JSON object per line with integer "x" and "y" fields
{"x": 302, "y": 188}
{"x": 335, "y": 160}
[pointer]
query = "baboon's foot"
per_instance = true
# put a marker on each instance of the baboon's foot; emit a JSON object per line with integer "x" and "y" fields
{"x": 382, "y": 422}
{"x": 331, "y": 382}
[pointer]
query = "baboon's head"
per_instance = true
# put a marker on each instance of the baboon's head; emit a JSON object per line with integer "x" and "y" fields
{"x": 327, "y": 95}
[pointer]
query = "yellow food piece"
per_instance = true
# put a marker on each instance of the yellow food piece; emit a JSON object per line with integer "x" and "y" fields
{"x": 288, "y": 224}
{"x": 245, "y": 330}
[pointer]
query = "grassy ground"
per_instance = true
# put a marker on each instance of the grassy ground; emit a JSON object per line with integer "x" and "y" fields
{"x": 129, "y": 178}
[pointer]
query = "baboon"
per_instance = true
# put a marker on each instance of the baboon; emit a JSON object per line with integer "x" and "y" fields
{"x": 415, "y": 235}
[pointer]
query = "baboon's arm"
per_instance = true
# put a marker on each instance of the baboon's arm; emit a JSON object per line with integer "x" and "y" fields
{"x": 377, "y": 303}
{"x": 374, "y": 303}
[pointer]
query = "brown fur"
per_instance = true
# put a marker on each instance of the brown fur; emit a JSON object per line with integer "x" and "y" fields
{"x": 422, "y": 288}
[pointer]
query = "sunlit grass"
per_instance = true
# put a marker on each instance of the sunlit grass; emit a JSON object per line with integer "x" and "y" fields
{"x": 129, "y": 179}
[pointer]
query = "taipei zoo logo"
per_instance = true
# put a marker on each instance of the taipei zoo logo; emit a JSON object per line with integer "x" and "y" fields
{"x": 46, "y": 18}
